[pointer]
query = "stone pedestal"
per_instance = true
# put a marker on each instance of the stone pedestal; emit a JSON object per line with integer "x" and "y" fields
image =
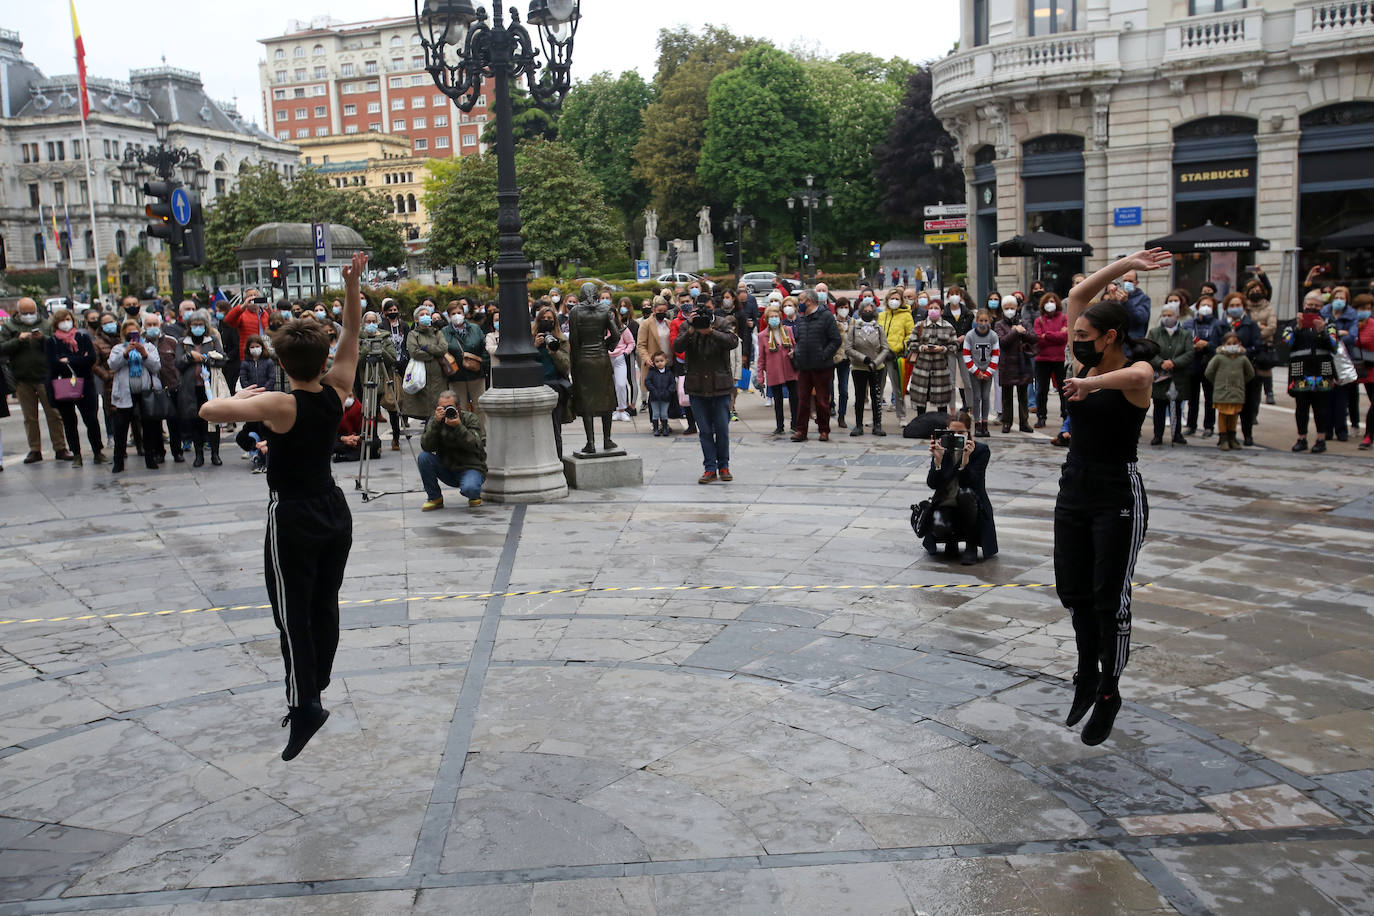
{"x": 651, "y": 254}
{"x": 604, "y": 473}
{"x": 706, "y": 254}
{"x": 522, "y": 460}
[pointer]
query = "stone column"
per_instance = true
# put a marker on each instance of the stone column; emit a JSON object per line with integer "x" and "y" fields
{"x": 1277, "y": 210}
{"x": 1008, "y": 273}
{"x": 521, "y": 454}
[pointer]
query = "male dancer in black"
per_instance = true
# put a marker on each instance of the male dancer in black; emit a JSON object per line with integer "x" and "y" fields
{"x": 309, "y": 527}
{"x": 1101, "y": 513}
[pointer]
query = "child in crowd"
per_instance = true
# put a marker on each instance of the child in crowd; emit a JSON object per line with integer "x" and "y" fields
{"x": 1228, "y": 373}
{"x": 982, "y": 351}
{"x": 662, "y": 388}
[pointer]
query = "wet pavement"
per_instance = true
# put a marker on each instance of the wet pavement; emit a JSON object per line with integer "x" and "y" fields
{"x": 756, "y": 697}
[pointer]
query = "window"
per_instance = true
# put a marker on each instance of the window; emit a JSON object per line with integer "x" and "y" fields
{"x": 420, "y": 79}
{"x": 298, "y": 52}
{"x": 421, "y": 144}
{"x": 398, "y": 63}
{"x": 441, "y": 120}
{"x": 61, "y": 150}
{"x": 439, "y": 101}
{"x": 415, "y": 39}
{"x": 317, "y": 51}
{"x": 300, "y": 114}
{"x": 281, "y": 76}
{"x": 302, "y": 133}
{"x": 395, "y": 41}
{"x": 417, "y": 102}
{"x": 350, "y": 128}
{"x": 396, "y": 82}
{"x": 321, "y": 73}
{"x": 279, "y": 54}
{"x": 1200, "y": 7}
{"x": 375, "y": 126}
{"x": 1049, "y": 17}
{"x": 374, "y": 107}
{"x": 299, "y": 73}
{"x": 34, "y": 199}
{"x": 410, "y": 203}
{"x": 481, "y": 101}
{"x": 116, "y": 196}
{"x": 322, "y": 131}
{"x": 370, "y": 67}
{"x": 298, "y": 92}
{"x": 59, "y": 193}
{"x": 107, "y": 151}
{"x": 417, "y": 62}
{"x": 283, "y": 135}
{"x": 372, "y": 85}
{"x": 282, "y": 114}
{"x": 121, "y": 244}
{"x": 317, "y": 90}
{"x": 345, "y": 69}
{"x": 221, "y": 185}
{"x": 278, "y": 94}
{"x": 26, "y": 150}
{"x": 441, "y": 142}
{"x": 319, "y": 111}
{"x": 400, "y": 203}
{"x": 76, "y": 149}
{"x": 398, "y": 104}
{"x": 480, "y": 119}
{"x": 84, "y": 190}
{"x": 469, "y": 139}
{"x": 980, "y": 22}
{"x": 37, "y": 246}
{"x": 419, "y": 123}
{"x": 90, "y": 244}
{"x": 347, "y": 89}
{"x": 350, "y": 110}
{"x": 398, "y": 124}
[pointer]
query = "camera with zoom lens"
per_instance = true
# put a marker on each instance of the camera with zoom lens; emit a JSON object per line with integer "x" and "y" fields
{"x": 373, "y": 349}
{"x": 450, "y": 412}
{"x": 552, "y": 343}
{"x": 702, "y": 320}
{"x": 950, "y": 441}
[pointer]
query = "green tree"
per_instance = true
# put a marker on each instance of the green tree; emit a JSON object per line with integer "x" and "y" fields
{"x": 528, "y": 121}
{"x": 763, "y": 131}
{"x": 563, "y": 206}
{"x": 139, "y": 267}
{"x": 263, "y": 196}
{"x": 602, "y": 121}
{"x": 903, "y": 164}
{"x": 668, "y": 153}
{"x": 460, "y": 196}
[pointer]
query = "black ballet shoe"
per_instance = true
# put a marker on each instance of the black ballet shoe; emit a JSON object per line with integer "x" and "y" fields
{"x": 1084, "y": 696}
{"x": 304, "y": 722}
{"x": 1099, "y": 727}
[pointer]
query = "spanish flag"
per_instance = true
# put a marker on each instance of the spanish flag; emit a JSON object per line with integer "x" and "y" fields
{"x": 80, "y": 64}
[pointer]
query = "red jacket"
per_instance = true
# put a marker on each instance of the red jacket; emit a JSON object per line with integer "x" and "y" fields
{"x": 1052, "y": 333}
{"x": 351, "y": 423}
{"x": 247, "y": 324}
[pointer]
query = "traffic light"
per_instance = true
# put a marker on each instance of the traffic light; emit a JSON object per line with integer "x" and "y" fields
{"x": 159, "y": 210}
{"x": 732, "y": 257}
{"x": 278, "y": 274}
{"x": 875, "y": 250}
{"x": 192, "y": 252}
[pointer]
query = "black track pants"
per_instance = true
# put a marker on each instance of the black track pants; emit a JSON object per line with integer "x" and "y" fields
{"x": 1100, "y": 519}
{"x": 307, "y": 547}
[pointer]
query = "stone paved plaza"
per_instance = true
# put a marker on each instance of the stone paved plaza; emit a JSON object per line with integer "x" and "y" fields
{"x": 755, "y": 698}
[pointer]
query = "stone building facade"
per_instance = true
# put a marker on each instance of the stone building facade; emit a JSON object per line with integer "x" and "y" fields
{"x": 43, "y": 158}
{"x": 377, "y": 162}
{"x": 1254, "y": 114}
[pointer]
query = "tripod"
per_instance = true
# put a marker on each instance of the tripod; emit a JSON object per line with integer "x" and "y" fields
{"x": 374, "y": 376}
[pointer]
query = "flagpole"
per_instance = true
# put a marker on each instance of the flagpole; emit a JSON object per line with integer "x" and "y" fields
{"x": 43, "y": 233}
{"x": 90, "y": 178}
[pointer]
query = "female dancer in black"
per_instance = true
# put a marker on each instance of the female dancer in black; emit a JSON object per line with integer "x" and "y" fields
{"x": 1101, "y": 514}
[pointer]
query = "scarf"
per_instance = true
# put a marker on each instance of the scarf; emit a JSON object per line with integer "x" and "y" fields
{"x": 67, "y": 337}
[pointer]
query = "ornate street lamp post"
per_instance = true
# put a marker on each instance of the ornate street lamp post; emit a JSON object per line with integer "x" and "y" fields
{"x": 140, "y": 163}
{"x": 810, "y": 198}
{"x": 462, "y": 52}
{"x": 737, "y": 221}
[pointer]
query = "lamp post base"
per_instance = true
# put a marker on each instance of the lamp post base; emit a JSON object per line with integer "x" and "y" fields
{"x": 522, "y": 460}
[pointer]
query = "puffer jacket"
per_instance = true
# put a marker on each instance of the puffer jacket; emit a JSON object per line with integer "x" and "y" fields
{"x": 818, "y": 339}
{"x": 261, "y": 372}
{"x": 426, "y": 345}
{"x": 1052, "y": 335}
{"x": 897, "y": 325}
{"x": 865, "y": 341}
{"x": 1228, "y": 374}
{"x": 1018, "y": 352}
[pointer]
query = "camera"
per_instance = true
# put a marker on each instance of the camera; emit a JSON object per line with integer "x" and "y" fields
{"x": 701, "y": 320}
{"x": 552, "y": 343}
{"x": 373, "y": 348}
{"x": 950, "y": 441}
{"x": 450, "y": 412}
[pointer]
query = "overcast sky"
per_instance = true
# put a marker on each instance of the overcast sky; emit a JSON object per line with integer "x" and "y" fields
{"x": 220, "y": 39}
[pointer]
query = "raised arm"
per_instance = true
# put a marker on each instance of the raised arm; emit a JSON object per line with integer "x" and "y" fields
{"x": 1082, "y": 295}
{"x": 340, "y": 377}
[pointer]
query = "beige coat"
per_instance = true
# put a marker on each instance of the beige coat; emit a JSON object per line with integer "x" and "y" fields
{"x": 1263, "y": 314}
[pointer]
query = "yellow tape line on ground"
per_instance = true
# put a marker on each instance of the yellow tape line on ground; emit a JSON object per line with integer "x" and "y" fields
{"x": 122, "y": 615}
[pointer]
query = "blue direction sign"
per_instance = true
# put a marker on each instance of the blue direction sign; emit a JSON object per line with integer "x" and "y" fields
{"x": 322, "y": 242}
{"x": 181, "y": 206}
{"x": 641, "y": 270}
{"x": 1126, "y": 216}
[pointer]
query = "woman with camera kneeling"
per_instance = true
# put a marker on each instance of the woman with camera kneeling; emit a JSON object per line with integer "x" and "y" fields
{"x": 961, "y": 508}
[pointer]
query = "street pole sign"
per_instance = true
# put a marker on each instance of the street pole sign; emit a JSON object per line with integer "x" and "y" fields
{"x": 181, "y": 206}
{"x": 641, "y": 270}
{"x": 939, "y": 210}
{"x": 947, "y": 238}
{"x": 323, "y": 245}
{"x": 954, "y": 224}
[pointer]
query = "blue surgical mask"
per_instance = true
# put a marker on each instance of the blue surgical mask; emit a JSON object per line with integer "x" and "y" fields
{"x": 109, "y": 327}
{"x": 624, "y": 310}
{"x": 923, "y": 301}
{"x": 695, "y": 292}
{"x": 1338, "y": 305}
{"x": 319, "y": 316}
{"x": 774, "y": 321}
{"x": 1128, "y": 286}
{"x": 605, "y": 303}
{"x": 195, "y": 331}
{"x": 994, "y": 304}
{"x": 370, "y": 327}
{"x": 1363, "y": 314}
{"x": 425, "y": 320}
{"x": 982, "y": 327}
{"x": 337, "y": 310}
{"x": 822, "y": 298}
{"x": 285, "y": 314}
{"x": 1236, "y": 311}
{"x": 156, "y": 332}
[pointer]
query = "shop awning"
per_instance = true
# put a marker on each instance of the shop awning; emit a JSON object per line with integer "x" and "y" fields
{"x": 1040, "y": 243}
{"x": 1209, "y": 238}
{"x": 1361, "y": 236}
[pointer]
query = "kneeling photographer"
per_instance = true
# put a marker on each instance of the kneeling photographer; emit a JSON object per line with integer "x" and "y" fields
{"x": 453, "y": 452}
{"x": 959, "y": 509}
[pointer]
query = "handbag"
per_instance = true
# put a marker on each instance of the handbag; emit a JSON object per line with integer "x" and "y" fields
{"x": 448, "y": 365}
{"x": 683, "y": 400}
{"x": 155, "y": 404}
{"x": 1266, "y": 357}
{"x": 415, "y": 377}
{"x": 67, "y": 390}
{"x": 1345, "y": 369}
{"x": 472, "y": 362}
{"x": 922, "y": 518}
{"x": 743, "y": 383}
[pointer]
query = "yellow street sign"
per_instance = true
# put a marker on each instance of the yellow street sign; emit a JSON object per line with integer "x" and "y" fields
{"x": 946, "y": 238}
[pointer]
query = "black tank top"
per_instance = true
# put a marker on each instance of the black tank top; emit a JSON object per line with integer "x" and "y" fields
{"x": 298, "y": 460}
{"x": 1104, "y": 427}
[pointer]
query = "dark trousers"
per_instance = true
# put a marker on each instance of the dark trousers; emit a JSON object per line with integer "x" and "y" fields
{"x": 870, "y": 385}
{"x": 90, "y": 416}
{"x": 1045, "y": 372}
{"x": 1021, "y": 394}
{"x": 1203, "y": 388}
{"x": 1250, "y": 409}
{"x": 1100, "y": 520}
{"x": 713, "y": 430}
{"x": 813, "y": 386}
{"x": 201, "y": 433}
{"x": 152, "y": 436}
{"x": 1369, "y": 417}
{"x": 776, "y": 392}
{"x": 962, "y": 514}
{"x": 1162, "y": 410}
{"x": 305, "y": 553}
{"x": 1320, "y": 403}
{"x": 840, "y": 384}
{"x": 1345, "y": 410}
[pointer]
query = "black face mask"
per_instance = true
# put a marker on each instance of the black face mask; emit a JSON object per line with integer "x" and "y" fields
{"x": 392, "y": 316}
{"x": 1255, "y": 297}
{"x": 661, "y": 316}
{"x": 546, "y": 325}
{"x": 868, "y": 316}
{"x": 1085, "y": 352}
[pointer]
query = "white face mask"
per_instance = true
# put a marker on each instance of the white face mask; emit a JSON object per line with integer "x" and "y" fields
{"x": 64, "y": 326}
{"x": 348, "y": 402}
{"x": 1010, "y": 313}
{"x": 1049, "y": 308}
{"x": 28, "y": 317}
{"x": 457, "y": 320}
{"x": 255, "y": 352}
{"x": 555, "y": 298}
{"x": 843, "y": 313}
{"x": 789, "y": 311}
{"x": 954, "y": 302}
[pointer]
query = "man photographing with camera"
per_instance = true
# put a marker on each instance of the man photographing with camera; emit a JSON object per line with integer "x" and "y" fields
{"x": 709, "y": 379}
{"x": 959, "y": 508}
{"x": 452, "y": 453}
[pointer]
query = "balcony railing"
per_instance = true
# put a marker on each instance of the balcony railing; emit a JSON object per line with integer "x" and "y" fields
{"x": 1076, "y": 53}
{"x": 1332, "y": 20}
{"x": 1208, "y": 36}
